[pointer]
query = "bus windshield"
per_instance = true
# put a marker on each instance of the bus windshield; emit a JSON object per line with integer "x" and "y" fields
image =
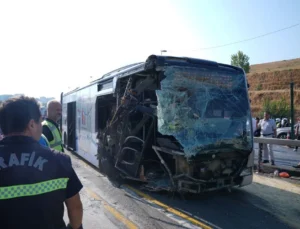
{"x": 206, "y": 110}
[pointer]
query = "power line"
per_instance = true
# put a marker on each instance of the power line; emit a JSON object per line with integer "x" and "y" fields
{"x": 249, "y": 39}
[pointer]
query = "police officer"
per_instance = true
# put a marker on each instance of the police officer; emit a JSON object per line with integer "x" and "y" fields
{"x": 50, "y": 126}
{"x": 35, "y": 181}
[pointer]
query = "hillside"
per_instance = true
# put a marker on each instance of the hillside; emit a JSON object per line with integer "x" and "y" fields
{"x": 275, "y": 66}
{"x": 272, "y": 80}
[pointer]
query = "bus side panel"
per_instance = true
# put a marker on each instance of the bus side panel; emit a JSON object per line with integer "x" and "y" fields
{"x": 86, "y": 135}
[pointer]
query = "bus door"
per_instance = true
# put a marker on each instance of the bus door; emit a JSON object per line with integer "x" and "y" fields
{"x": 71, "y": 125}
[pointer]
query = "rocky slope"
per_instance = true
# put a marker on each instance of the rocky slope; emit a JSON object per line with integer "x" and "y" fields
{"x": 272, "y": 80}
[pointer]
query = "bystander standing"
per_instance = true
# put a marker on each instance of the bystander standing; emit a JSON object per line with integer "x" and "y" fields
{"x": 50, "y": 125}
{"x": 268, "y": 130}
{"x": 297, "y": 133}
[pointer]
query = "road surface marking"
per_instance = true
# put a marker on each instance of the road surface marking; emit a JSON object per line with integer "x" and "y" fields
{"x": 86, "y": 164}
{"x": 173, "y": 211}
{"x": 113, "y": 211}
{"x": 168, "y": 208}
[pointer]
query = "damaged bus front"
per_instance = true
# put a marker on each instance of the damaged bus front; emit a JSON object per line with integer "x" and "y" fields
{"x": 181, "y": 125}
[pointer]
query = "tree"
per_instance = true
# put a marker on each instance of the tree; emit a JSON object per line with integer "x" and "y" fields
{"x": 241, "y": 60}
{"x": 277, "y": 109}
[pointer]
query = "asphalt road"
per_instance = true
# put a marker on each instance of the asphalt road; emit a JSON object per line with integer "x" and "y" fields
{"x": 267, "y": 203}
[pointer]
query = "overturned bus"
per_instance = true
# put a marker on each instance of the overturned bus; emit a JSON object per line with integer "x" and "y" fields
{"x": 176, "y": 124}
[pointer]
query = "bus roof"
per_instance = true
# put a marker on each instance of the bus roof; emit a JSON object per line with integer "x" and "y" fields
{"x": 151, "y": 62}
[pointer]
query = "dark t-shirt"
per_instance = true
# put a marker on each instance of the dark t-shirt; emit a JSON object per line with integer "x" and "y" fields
{"x": 46, "y": 177}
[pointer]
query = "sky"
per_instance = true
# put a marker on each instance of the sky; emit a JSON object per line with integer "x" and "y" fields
{"x": 49, "y": 47}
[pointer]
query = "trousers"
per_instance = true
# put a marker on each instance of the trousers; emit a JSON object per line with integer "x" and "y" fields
{"x": 268, "y": 150}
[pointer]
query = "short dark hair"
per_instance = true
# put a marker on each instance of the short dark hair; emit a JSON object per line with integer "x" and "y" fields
{"x": 16, "y": 112}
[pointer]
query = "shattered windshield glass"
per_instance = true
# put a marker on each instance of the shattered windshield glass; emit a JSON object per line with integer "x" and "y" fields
{"x": 206, "y": 110}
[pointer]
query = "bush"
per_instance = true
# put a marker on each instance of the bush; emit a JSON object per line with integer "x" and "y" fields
{"x": 277, "y": 108}
{"x": 259, "y": 87}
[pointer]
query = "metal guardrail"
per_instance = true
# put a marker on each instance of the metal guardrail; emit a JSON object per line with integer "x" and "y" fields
{"x": 277, "y": 141}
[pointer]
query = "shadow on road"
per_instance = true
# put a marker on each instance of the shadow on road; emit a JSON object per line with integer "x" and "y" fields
{"x": 255, "y": 206}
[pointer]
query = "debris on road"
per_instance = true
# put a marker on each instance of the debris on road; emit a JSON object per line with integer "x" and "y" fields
{"x": 284, "y": 175}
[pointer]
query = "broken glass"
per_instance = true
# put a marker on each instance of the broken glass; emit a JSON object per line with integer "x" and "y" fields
{"x": 206, "y": 110}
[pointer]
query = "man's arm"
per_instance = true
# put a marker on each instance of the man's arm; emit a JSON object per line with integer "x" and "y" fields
{"x": 75, "y": 211}
{"x": 73, "y": 202}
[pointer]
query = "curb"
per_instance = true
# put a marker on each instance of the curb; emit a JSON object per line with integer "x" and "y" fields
{"x": 266, "y": 168}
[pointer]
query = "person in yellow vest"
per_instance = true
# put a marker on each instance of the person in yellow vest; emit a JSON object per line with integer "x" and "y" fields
{"x": 50, "y": 125}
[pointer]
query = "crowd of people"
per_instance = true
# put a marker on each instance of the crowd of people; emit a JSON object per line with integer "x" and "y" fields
{"x": 36, "y": 176}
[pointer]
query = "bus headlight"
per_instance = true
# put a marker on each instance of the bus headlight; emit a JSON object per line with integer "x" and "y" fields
{"x": 246, "y": 172}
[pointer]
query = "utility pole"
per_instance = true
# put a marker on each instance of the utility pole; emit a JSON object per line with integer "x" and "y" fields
{"x": 292, "y": 110}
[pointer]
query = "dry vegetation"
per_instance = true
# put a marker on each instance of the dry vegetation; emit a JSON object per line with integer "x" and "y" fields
{"x": 272, "y": 80}
{"x": 275, "y": 66}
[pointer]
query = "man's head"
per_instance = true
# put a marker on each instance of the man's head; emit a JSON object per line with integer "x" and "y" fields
{"x": 54, "y": 110}
{"x": 266, "y": 115}
{"x": 21, "y": 116}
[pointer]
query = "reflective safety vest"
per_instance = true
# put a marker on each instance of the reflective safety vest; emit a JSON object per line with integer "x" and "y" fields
{"x": 56, "y": 143}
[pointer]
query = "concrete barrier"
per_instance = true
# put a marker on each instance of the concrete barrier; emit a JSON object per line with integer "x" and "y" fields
{"x": 271, "y": 168}
{"x": 277, "y": 141}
